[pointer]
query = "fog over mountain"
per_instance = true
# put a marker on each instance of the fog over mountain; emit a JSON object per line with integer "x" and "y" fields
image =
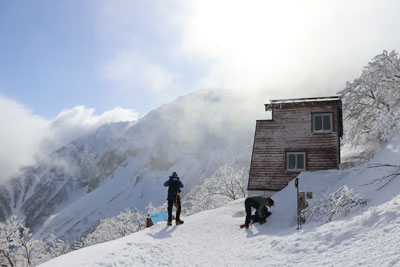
{"x": 123, "y": 165}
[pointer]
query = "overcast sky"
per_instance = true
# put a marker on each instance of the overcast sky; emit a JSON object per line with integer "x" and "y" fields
{"x": 84, "y": 58}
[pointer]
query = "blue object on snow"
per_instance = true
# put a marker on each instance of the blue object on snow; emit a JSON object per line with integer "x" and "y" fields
{"x": 159, "y": 217}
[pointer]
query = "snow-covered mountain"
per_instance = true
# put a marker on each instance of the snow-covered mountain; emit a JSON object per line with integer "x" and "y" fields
{"x": 123, "y": 165}
{"x": 365, "y": 237}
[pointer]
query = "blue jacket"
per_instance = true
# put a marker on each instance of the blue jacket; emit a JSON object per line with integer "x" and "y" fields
{"x": 174, "y": 185}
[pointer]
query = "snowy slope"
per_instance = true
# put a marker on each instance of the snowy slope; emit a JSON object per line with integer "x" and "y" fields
{"x": 367, "y": 237}
{"x": 123, "y": 165}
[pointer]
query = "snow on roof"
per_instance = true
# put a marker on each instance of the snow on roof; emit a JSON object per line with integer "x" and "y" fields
{"x": 301, "y": 100}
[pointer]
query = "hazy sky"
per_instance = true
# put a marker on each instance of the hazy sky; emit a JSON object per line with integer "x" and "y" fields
{"x": 83, "y": 58}
{"x": 140, "y": 54}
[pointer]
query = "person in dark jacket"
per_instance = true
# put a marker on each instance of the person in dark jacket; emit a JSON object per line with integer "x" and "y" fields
{"x": 260, "y": 204}
{"x": 174, "y": 188}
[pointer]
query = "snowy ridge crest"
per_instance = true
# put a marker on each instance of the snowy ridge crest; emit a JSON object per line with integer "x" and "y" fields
{"x": 123, "y": 165}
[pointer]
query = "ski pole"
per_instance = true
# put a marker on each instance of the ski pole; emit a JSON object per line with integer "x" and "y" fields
{"x": 297, "y": 197}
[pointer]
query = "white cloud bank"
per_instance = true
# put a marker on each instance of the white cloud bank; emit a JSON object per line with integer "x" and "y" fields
{"x": 25, "y": 136}
{"x": 20, "y": 135}
{"x": 302, "y": 48}
{"x": 285, "y": 48}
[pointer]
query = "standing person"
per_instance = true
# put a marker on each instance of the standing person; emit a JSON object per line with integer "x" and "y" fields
{"x": 174, "y": 188}
{"x": 260, "y": 204}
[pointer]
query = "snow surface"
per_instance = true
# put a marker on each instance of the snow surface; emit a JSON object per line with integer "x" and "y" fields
{"x": 368, "y": 237}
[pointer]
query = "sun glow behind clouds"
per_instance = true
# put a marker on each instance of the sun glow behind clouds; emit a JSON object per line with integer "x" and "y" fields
{"x": 254, "y": 38}
{"x": 287, "y": 45}
{"x": 285, "y": 48}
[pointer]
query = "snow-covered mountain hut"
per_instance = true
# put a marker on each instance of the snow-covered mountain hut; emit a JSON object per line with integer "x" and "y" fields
{"x": 302, "y": 135}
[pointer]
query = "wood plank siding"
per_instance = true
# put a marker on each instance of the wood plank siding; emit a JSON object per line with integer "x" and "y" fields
{"x": 290, "y": 130}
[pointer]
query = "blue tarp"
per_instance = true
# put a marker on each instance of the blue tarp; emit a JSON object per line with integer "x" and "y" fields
{"x": 159, "y": 217}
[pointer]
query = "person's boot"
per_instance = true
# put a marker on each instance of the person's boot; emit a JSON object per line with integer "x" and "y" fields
{"x": 169, "y": 223}
{"x": 179, "y": 222}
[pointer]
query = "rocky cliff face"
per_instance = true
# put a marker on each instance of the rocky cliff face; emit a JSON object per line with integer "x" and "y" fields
{"x": 123, "y": 165}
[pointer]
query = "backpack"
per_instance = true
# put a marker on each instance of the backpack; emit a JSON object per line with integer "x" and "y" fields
{"x": 174, "y": 188}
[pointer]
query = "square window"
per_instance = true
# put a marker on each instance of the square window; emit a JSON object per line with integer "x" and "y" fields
{"x": 322, "y": 122}
{"x": 296, "y": 161}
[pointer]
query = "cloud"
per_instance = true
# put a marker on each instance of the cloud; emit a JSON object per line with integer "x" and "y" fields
{"x": 25, "y": 136}
{"x": 80, "y": 121}
{"x": 285, "y": 48}
{"x": 20, "y": 136}
{"x": 300, "y": 48}
{"x": 129, "y": 69}
{"x": 137, "y": 36}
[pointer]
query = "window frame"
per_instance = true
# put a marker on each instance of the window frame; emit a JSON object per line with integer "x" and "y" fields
{"x": 321, "y": 114}
{"x": 296, "y": 153}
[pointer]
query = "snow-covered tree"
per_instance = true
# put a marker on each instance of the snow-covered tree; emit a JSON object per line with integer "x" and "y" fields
{"x": 26, "y": 245}
{"x": 228, "y": 182}
{"x": 200, "y": 199}
{"x": 9, "y": 234}
{"x": 343, "y": 201}
{"x": 225, "y": 185}
{"x": 156, "y": 209}
{"x": 385, "y": 179}
{"x": 125, "y": 223}
{"x": 371, "y": 103}
{"x": 56, "y": 247}
{"x": 17, "y": 248}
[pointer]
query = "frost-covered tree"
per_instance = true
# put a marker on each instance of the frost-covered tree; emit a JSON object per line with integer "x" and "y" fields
{"x": 371, "y": 103}
{"x": 17, "y": 248}
{"x": 225, "y": 185}
{"x": 26, "y": 248}
{"x": 56, "y": 247}
{"x": 343, "y": 201}
{"x": 125, "y": 223}
{"x": 79, "y": 243}
{"x": 228, "y": 182}
{"x": 9, "y": 234}
{"x": 385, "y": 179}
{"x": 200, "y": 199}
{"x": 156, "y": 209}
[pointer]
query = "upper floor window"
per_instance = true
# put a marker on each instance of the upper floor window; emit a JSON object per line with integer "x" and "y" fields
{"x": 322, "y": 123}
{"x": 296, "y": 161}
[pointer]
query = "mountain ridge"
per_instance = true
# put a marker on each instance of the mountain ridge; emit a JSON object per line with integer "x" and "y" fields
{"x": 192, "y": 135}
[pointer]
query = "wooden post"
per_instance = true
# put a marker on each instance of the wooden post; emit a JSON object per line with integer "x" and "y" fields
{"x": 302, "y": 205}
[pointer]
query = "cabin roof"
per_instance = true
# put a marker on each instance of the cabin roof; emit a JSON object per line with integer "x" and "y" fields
{"x": 300, "y": 100}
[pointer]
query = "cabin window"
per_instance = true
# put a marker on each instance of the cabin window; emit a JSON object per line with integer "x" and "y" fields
{"x": 296, "y": 161}
{"x": 322, "y": 122}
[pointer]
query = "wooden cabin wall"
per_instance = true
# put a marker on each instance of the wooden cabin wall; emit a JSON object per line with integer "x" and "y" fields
{"x": 291, "y": 130}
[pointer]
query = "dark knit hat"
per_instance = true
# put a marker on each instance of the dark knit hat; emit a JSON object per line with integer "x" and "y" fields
{"x": 175, "y": 174}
